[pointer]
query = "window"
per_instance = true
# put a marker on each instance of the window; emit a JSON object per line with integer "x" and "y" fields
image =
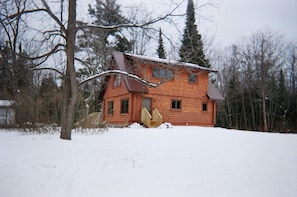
{"x": 162, "y": 73}
{"x": 117, "y": 80}
{"x": 192, "y": 78}
{"x": 175, "y": 104}
{"x": 110, "y": 108}
{"x": 124, "y": 106}
{"x": 204, "y": 106}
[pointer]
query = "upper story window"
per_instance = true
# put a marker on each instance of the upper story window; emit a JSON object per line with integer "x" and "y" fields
{"x": 175, "y": 104}
{"x": 117, "y": 80}
{"x": 162, "y": 73}
{"x": 192, "y": 78}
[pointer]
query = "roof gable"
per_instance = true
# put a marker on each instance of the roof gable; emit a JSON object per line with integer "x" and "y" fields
{"x": 131, "y": 84}
{"x": 135, "y": 86}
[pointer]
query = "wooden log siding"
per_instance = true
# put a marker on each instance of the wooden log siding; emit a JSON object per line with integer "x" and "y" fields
{"x": 192, "y": 96}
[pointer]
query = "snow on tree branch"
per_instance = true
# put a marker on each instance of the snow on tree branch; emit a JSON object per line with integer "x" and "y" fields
{"x": 82, "y": 25}
{"x": 124, "y": 73}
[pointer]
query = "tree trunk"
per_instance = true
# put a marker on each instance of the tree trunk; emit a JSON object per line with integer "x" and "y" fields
{"x": 253, "y": 127}
{"x": 264, "y": 112}
{"x": 70, "y": 86}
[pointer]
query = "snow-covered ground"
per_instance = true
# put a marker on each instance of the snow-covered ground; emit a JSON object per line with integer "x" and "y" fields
{"x": 178, "y": 161}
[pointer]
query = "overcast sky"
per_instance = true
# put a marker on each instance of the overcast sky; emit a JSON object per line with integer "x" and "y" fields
{"x": 229, "y": 21}
{"x": 237, "y": 18}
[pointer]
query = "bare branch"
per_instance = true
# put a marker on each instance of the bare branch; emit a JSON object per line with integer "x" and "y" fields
{"x": 82, "y": 25}
{"x": 124, "y": 73}
{"x": 13, "y": 16}
{"x": 48, "y": 10}
{"x": 48, "y": 68}
{"x": 55, "y": 33}
{"x": 46, "y": 55}
{"x": 85, "y": 63}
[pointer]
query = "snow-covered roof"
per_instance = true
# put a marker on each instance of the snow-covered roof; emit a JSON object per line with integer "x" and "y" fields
{"x": 213, "y": 93}
{"x": 6, "y": 103}
{"x": 132, "y": 85}
{"x": 170, "y": 62}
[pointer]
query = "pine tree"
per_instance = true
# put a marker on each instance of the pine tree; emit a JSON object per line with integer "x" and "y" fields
{"x": 192, "y": 47}
{"x": 100, "y": 42}
{"x": 6, "y": 73}
{"x": 49, "y": 100}
{"x": 161, "y": 51}
{"x": 106, "y": 13}
{"x": 282, "y": 90}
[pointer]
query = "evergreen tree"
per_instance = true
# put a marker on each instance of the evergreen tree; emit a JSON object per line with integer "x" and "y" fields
{"x": 282, "y": 92}
{"x": 15, "y": 73}
{"x": 6, "y": 74}
{"x": 49, "y": 100}
{"x": 122, "y": 44}
{"x": 106, "y": 13}
{"x": 48, "y": 84}
{"x": 98, "y": 44}
{"x": 192, "y": 47}
{"x": 291, "y": 114}
{"x": 161, "y": 51}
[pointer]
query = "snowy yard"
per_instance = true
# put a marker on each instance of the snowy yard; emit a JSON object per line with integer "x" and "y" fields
{"x": 180, "y": 161}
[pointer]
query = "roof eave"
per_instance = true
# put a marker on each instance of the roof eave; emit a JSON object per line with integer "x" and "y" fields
{"x": 213, "y": 93}
{"x": 170, "y": 62}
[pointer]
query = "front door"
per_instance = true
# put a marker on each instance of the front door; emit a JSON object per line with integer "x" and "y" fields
{"x": 147, "y": 103}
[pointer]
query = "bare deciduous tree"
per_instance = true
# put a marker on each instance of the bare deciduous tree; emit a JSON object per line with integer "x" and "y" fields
{"x": 62, "y": 37}
{"x": 255, "y": 76}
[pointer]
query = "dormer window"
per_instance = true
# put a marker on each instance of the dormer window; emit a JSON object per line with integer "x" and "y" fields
{"x": 192, "y": 78}
{"x": 117, "y": 81}
{"x": 162, "y": 73}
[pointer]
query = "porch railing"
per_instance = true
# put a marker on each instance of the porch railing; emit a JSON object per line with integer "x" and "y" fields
{"x": 157, "y": 118}
{"x": 149, "y": 120}
{"x": 146, "y": 117}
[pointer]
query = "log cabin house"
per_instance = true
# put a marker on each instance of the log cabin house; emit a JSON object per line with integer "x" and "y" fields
{"x": 186, "y": 98}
